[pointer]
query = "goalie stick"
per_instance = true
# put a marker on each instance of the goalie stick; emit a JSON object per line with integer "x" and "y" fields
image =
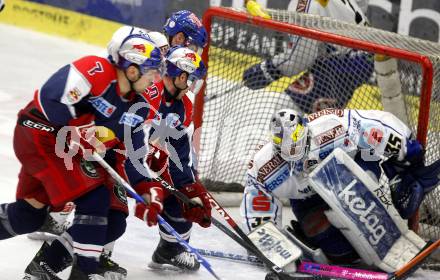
{"x": 161, "y": 221}
{"x": 305, "y": 267}
{"x": 331, "y": 271}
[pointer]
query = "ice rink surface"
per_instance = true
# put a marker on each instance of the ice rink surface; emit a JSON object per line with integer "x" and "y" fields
{"x": 27, "y": 59}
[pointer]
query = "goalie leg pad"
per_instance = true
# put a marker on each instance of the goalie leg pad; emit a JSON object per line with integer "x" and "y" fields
{"x": 372, "y": 225}
{"x": 321, "y": 234}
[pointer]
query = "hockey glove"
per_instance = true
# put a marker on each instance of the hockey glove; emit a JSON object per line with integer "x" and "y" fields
{"x": 261, "y": 75}
{"x": 154, "y": 195}
{"x": 255, "y": 9}
{"x": 200, "y": 214}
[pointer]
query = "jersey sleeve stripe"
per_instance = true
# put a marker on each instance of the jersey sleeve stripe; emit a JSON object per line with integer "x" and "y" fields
{"x": 38, "y": 103}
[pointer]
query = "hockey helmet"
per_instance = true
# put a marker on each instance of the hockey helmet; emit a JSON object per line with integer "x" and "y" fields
{"x": 119, "y": 36}
{"x": 289, "y": 134}
{"x": 181, "y": 59}
{"x": 190, "y": 25}
{"x": 140, "y": 50}
{"x": 160, "y": 41}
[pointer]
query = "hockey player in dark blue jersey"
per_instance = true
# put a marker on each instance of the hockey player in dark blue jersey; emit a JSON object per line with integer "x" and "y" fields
{"x": 172, "y": 157}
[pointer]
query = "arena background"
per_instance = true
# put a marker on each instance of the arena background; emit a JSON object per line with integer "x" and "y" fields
{"x": 93, "y": 21}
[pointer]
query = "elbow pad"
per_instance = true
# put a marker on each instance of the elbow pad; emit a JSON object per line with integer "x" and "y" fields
{"x": 261, "y": 75}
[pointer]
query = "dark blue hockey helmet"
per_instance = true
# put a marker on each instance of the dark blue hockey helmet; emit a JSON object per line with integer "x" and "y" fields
{"x": 190, "y": 25}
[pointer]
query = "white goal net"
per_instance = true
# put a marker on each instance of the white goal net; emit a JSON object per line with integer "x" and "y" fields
{"x": 344, "y": 71}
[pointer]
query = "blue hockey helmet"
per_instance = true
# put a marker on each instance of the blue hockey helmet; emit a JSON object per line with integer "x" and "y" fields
{"x": 190, "y": 25}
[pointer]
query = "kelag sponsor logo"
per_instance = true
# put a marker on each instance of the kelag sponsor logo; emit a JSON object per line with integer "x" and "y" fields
{"x": 356, "y": 201}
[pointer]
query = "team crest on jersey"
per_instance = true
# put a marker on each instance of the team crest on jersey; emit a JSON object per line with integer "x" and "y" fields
{"x": 73, "y": 96}
{"x": 304, "y": 84}
{"x": 103, "y": 106}
{"x": 131, "y": 119}
{"x": 88, "y": 169}
{"x": 120, "y": 193}
{"x": 172, "y": 120}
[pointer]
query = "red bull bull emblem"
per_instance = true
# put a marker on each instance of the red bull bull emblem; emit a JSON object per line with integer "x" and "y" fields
{"x": 191, "y": 56}
{"x": 140, "y": 48}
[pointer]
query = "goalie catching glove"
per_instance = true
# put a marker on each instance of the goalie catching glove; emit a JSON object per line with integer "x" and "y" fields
{"x": 201, "y": 213}
{"x": 154, "y": 194}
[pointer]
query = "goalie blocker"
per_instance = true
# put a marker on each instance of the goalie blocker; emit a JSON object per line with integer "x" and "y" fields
{"x": 361, "y": 211}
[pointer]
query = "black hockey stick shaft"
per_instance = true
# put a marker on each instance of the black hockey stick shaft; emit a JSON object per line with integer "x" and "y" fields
{"x": 244, "y": 238}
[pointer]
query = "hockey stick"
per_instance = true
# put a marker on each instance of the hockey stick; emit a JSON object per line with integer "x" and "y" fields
{"x": 249, "y": 259}
{"x": 322, "y": 271}
{"x": 416, "y": 262}
{"x": 311, "y": 268}
{"x": 161, "y": 221}
{"x": 243, "y": 240}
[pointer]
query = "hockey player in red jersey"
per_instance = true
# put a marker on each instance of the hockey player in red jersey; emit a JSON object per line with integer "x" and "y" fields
{"x": 54, "y": 134}
{"x": 172, "y": 158}
{"x": 171, "y": 150}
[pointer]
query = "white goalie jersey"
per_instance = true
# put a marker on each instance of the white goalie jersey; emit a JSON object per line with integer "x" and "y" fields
{"x": 376, "y": 134}
{"x": 302, "y": 52}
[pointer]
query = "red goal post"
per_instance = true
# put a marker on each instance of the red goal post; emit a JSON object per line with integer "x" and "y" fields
{"x": 418, "y": 63}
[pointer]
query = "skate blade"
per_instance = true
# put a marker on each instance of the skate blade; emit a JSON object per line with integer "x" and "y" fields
{"x": 43, "y": 236}
{"x": 163, "y": 267}
{"x": 110, "y": 275}
{"x": 29, "y": 277}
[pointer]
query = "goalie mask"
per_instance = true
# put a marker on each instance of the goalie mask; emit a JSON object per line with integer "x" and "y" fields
{"x": 289, "y": 134}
